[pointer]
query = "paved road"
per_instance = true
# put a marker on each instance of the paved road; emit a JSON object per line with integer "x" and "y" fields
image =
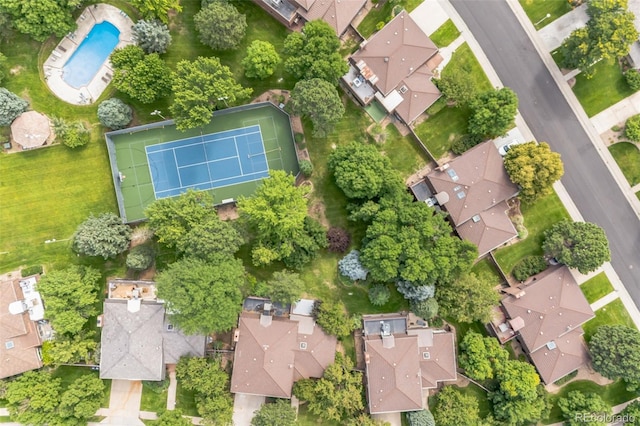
{"x": 551, "y": 119}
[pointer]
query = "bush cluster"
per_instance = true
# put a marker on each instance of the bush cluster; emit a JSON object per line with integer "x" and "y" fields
{"x": 465, "y": 143}
{"x": 379, "y": 294}
{"x": 633, "y": 78}
{"x": 632, "y": 128}
{"x": 338, "y": 239}
{"x": 31, "y": 270}
{"x": 528, "y": 267}
{"x": 306, "y": 168}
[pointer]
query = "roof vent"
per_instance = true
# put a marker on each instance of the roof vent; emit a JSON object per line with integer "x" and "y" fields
{"x": 303, "y": 345}
{"x": 476, "y": 218}
{"x": 403, "y": 89}
{"x": 9, "y": 344}
{"x": 386, "y": 58}
{"x": 551, "y": 345}
{"x": 426, "y": 355}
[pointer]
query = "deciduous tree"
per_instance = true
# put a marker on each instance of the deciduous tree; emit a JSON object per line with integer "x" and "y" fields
{"x": 426, "y": 309}
{"x": 114, "y": 114}
{"x": 615, "y": 352}
{"x": 159, "y": 9}
{"x": 580, "y": 245}
{"x": 220, "y": 25}
{"x": 278, "y": 413}
{"x": 200, "y": 87}
{"x": 33, "y": 398}
{"x": 72, "y": 134}
{"x": 80, "y": 401}
{"x": 493, "y": 112}
{"x": 204, "y": 297}
{"x": 481, "y": 356}
{"x": 458, "y": 87}
{"x": 70, "y": 349}
{"x": 581, "y": 409}
{"x": 104, "y": 235}
{"x": 11, "y": 106}
{"x": 338, "y": 239}
{"x": 533, "y": 167}
{"x": 261, "y": 60}
{"x": 334, "y": 320}
{"x": 211, "y": 240}
{"x": 143, "y": 77}
{"x": 632, "y": 414}
{"x": 454, "y": 408}
{"x": 319, "y": 101}
{"x": 470, "y": 298}
{"x": 141, "y": 257}
{"x": 41, "y": 18}
{"x": 152, "y": 36}
{"x": 314, "y": 53}
{"x": 173, "y": 418}
{"x": 284, "y": 287}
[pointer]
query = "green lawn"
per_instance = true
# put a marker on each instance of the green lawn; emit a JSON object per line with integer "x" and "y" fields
{"x": 382, "y": 13}
{"x": 447, "y": 124}
{"x": 153, "y": 399}
{"x": 537, "y": 10}
{"x": 305, "y": 418}
{"x": 538, "y": 217}
{"x": 613, "y": 394}
{"x": 403, "y": 152}
{"x": 627, "y": 156}
{"x": 612, "y": 313}
{"x": 185, "y": 400}
{"x": 605, "y": 88}
{"x": 446, "y": 34}
{"x": 485, "y": 267}
{"x": 596, "y": 287}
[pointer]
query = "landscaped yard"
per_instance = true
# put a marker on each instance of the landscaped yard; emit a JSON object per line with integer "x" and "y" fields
{"x": 485, "y": 267}
{"x": 538, "y": 217}
{"x": 627, "y": 156}
{"x": 185, "y": 400}
{"x": 612, "y": 313}
{"x": 446, "y": 34}
{"x": 382, "y": 12}
{"x": 154, "y": 396}
{"x": 537, "y": 10}
{"x": 613, "y": 394}
{"x": 596, "y": 287}
{"x": 68, "y": 374}
{"x": 605, "y": 88}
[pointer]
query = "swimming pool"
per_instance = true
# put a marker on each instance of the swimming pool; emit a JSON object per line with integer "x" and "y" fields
{"x": 94, "y": 50}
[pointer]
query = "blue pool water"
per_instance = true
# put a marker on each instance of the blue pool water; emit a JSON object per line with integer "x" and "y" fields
{"x": 85, "y": 62}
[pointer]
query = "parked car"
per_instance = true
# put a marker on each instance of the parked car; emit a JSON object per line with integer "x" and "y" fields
{"x": 506, "y": 147}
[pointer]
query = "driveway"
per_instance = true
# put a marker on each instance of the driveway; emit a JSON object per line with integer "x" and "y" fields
{"x": 124, "y": 403}
{"x": 244, "y": 406}
{"x": 429, "y": 16}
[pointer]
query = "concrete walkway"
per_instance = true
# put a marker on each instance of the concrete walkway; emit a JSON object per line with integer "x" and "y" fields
{"x": 447, "y": 52}
{"x": 553, "y": 34}
{"x": 617, "y": 113}
{"x": 173, "y": 387}
{"x": 604, "y": 301}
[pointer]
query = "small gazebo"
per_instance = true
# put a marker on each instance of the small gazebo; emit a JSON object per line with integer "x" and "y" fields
{"x": 30, "y": 130}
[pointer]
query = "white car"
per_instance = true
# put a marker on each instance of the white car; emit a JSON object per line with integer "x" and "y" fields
{"x": 506, "y": 147}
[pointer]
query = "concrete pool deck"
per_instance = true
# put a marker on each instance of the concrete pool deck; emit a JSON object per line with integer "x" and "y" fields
{"x": 88, "y": 94}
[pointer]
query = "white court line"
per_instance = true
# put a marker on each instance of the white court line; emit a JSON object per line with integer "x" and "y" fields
{"x": 202, "y": 140}
{"x": 207, "y": 162}
{"x": 176, "y": 161}
{"x": 235, "y": 143}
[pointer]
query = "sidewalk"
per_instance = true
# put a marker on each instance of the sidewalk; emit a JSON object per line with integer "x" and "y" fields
{"x": 617, "y": 113}
{"x": 553, "y": 34}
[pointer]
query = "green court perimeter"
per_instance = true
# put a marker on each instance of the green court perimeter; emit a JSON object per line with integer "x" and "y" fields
{"x": 129, "y": 160}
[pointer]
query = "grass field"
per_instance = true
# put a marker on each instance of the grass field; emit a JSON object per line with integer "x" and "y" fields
{"x": 185, "y": 400}
{"x": 605, "y": 88}
{"x": 537, "y": 10}
{"x": 610, "y": 314}
{"x": 382, "y": 12}
{"x": 446, "y": 34}
{"x": 596, "y": 287}
{"x": 485, "y": 267}
{"x": 538, "y": 217}
{"x": 153, "y": 399}
{"x": 627, "y": 156}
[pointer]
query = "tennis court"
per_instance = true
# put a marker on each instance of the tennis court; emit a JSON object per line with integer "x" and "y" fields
{"x": 229, "y": 157}
{"x": 209, "y": 161}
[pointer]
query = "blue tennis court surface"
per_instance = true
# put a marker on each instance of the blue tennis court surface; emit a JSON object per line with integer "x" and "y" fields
{"x": 206, "y": 162}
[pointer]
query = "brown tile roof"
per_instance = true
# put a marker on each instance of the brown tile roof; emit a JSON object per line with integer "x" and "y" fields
{"x": 268, "y": 359}
{"x": 440, "y": 363}
{"x": 552, "y": 306}
{"x": 337, "y": 13}
{"x": 18, "y": 330}
{"x": 393, "y": 375}
{"x": 394, "y": 53}
{"x": 421, "y": 93}
{"x": 475, "y": 182}
{"x": 567, "y": 354}
{"x": 492, "y": 229}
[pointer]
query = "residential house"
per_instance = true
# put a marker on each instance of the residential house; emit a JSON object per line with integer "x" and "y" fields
{"x": 546, "y": 317}
{"x": 275, "y": 348}
{"x": 403, "y": 358}
{"x": 22, "y": 326}
{"x": 294, "y": 13}
{"x": 394, "y": 67}
{"x": 474, "y": 188}
{"x": 138, "y": 338}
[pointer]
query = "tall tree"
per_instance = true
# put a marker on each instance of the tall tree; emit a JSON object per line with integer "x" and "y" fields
{"x": 33, "y": 398}
{"x": 70, "y": 295}
{"x": 70, "y": 348}
{"x": 284, "y": 287}
{"x": 204, "y": 297}
{"x": 80, "y": 401}
{"x": 152, "y": 36}
{"x": 158, "y": 9}
{"x": 211, "y": 240}
{"x": 420, "y": 418}
{"x": 104, "y": 235}
{"x": 583, "y": 409}
{"x": 338, "y": 395}
{"x": 454, "y": 408}
{"x": 615, "y": 352}
{"x": 360, "y": 171}
{"x": 457, "y": 86}
{"x": 173, "y": 418}
{"x": 481, "y": 356}
{"x": 632, "y": 413}
{"x": 314, "y": 53}
{"x": 278, "y": 413}
{"x": 318, "y": 100}
{"x": 11, "y": 106}
{"x": 580, "y": 245}
{"x": 493, "y": 112}
{"x": 470, "y": 298}
{"x": 200, "y": 87}
{"x": 41, "y": 18}
{"x": 334, "y": 320}
{"x": 220, "y": 26}
{"x": 261, "y": 60}
{"x": 533, "y": 167}
{"x": 143, "y": 77}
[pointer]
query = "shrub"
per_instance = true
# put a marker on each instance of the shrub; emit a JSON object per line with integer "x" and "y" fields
{"x": 632, "y": 128}
{"x": 379, "y": 294}
{"x": 306, "y": 168}
{"x": 73, "y": 134}
{"x": 152, "y": 36}
{"x": 380, "y": 25}
{"x": 338, "y": 239}
{"x": 633, "y": 78}
{"x": 30, "y": 270}
{"x": 114, "y": 114}
{"x": 351, "y": 267}
{"x": 528, "y": 267}
{"x": 420, "y": 418}
{"x": 11, "y": 106}
{"x": 141, "y": 257}
{"x": 299, "y": 138}
{"x": 426, "y": 309}
{"x": 415, "y": 293}
{"x": 465, "y": 143}
{"x": 333, "y": 319}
